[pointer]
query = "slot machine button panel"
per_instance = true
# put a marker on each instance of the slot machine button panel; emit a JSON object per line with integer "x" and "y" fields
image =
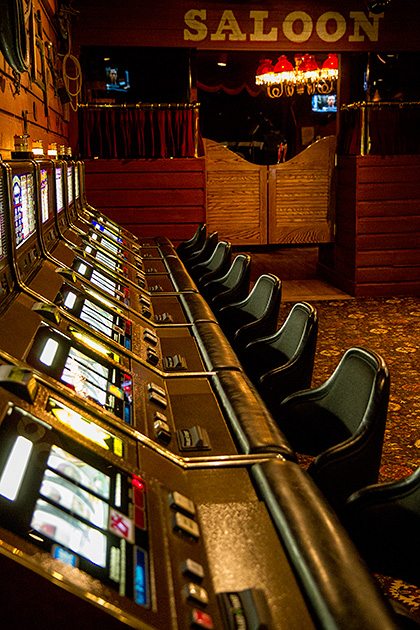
{"x": 149, "y": 336}
{"x": 152, "y": 357}
{"x": 195, "y": 438}
{"x": 185, "y": 525}
{"x": 161, "y": 427}
{"x": 164, "y": 318}
{"x": 193, "y": 569}
{"x": 175, "y": 362}
{"x": 178, "y": 501}
{"x": 196, "y": 593}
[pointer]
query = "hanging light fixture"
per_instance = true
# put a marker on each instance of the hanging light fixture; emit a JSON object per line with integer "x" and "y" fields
{"x": 307, "y": 73}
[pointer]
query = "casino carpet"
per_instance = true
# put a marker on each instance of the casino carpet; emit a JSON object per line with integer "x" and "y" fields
{"x": 391, "y": 327}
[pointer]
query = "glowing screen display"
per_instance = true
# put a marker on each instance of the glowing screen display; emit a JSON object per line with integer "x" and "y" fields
{"x": 79, "y": 472}
{"x": 24, "y": 206}
{"x": 97, "y": 317}
{"x": 2, "y": 235}
{"x": 59, "y": 188}
{"x": 70, "y": 185}
{"x": 66, "y": 530}
{"x": 88, "y": 377}
{"x": 76, "y": 183}
{"x": 45, "y": 206}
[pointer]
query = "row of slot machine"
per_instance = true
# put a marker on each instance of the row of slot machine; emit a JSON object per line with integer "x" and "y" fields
{"x": 143, "y": 484}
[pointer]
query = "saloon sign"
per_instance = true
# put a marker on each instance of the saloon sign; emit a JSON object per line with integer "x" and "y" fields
{"x": 295, "y": 27}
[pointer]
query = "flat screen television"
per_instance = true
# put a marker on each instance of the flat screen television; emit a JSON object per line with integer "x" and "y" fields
{"x": 324, "y": 103}
{"x": 117, "y": 80}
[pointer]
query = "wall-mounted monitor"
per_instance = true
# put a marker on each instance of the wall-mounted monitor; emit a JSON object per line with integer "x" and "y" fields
{"x": 324, "y": 103}
{"x": 117, "y": 79}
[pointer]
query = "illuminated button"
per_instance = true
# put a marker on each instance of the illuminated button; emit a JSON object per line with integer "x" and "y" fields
{"x": 186, "y": 525}
{"x": 192, "y": 568}
{"x": 200, "y": 619}
{"x": 178, "y": 501}
{"x": 197, "y": 593}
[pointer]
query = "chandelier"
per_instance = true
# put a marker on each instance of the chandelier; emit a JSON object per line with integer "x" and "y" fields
{"x": 284, "y": 78}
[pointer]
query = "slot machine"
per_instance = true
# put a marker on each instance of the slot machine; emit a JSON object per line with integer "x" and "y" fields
{"x": 162, "y": 307}
{"x": 97, "y": 533}
{"x": 108, "y": 250}
{"x": 100, "y": 301}
{"x": 196, "y": 413}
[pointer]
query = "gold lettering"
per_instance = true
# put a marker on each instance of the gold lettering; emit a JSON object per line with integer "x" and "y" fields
{"x": 340, "y": 26}
{"x": 307, "y": 26}
{"x": 228, "y": 23}
{"x": 258, "y": 35}
{"x": 361, "y": 22}
{"x": 194, "y": 24}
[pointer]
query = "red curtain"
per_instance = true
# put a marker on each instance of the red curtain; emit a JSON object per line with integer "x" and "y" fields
{"x": 393, "y": 130}
{"x": 157, "y": 132}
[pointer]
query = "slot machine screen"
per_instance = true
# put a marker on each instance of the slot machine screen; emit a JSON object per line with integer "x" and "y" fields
{"x": 92, "y": 314}
{"x": 107, "y": 232}
{"x": 2, "y": 210}
{"x": 47, "y": 210}
{"x": 85, "y": 370}
{"x": 70, "y": 502}
{"x": 99, "y": 279}
{"x": 69, "y": 172}
{"x": 23, "y": 206}
{"x": 103, "y": 258}
{"x": 76, "y": 183}
{"x": 59, "y": 188}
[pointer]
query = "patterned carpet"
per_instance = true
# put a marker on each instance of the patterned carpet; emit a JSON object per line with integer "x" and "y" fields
{"x": 391, "y": 327}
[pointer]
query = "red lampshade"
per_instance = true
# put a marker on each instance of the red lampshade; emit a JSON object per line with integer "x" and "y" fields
{"x": 310, "y": 63}
{"x": 331, "y": 62}
{"x": 265, "y": 66}
{"x": 283, "y": 65}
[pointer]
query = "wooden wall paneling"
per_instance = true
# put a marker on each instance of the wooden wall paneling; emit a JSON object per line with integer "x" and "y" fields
{"x": 301, "y": 209}
{"x": 47, "y": 117}
{"x": 236, "y": 197}
{"x": 150, "y": 197}
{"x": 386, "y": 216}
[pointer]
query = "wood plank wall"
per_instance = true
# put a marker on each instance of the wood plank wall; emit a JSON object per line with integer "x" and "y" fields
{"x": 36, "y": 93}
{"x": 377, "y": 248}
{"x": 163, "y": 197}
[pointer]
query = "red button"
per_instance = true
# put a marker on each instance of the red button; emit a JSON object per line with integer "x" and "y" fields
{"x": 139, "y": 518}
{"x": 139, "y": 497}
{"x": 201, "y": 619}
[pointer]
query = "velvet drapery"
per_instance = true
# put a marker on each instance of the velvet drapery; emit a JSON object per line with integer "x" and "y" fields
{"x": 135, "y": 132}
{"x": 391, "y": 129}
